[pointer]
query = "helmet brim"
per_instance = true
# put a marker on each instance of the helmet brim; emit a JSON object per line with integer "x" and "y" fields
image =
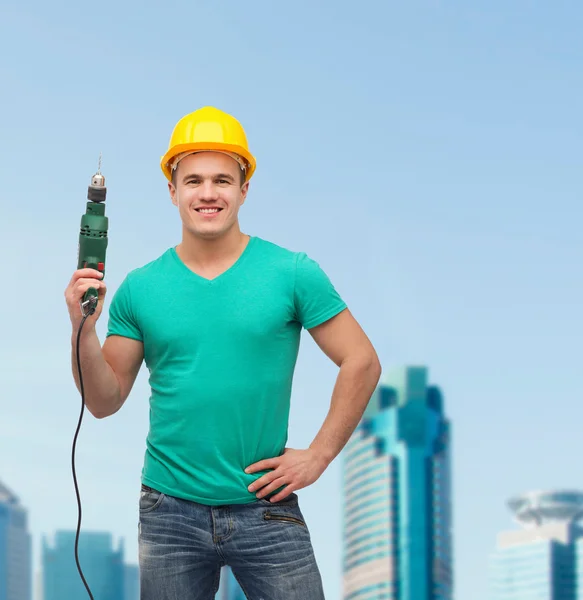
{"x": 166, "y": 160}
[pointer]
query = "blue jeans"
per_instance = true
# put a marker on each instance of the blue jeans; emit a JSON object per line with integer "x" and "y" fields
{"x": 184, "y": 544}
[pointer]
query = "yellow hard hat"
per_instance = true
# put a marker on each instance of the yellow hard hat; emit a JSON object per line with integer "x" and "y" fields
{"x": 208, "y": 128}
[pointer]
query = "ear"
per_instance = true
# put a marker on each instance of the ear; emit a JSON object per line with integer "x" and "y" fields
{"x": 244, "y": 190}
{"x": 172, "y": 191}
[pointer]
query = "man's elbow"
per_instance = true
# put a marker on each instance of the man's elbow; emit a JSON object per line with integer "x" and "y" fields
{"x": 376, "y": 367}
{"x": 100, "y": 415}
{"x": 367, "y": 361}
{"x": 103, "y": 414}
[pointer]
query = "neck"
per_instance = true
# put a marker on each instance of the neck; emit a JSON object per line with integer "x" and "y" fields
{"x": 208, "y": 252}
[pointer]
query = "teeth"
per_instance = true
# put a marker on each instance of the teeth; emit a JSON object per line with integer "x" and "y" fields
{"x": 208, "y": 210}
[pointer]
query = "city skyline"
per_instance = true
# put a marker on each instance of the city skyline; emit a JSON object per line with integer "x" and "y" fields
{"x": 104, "y": 569}
{"x": 397, "y": 462}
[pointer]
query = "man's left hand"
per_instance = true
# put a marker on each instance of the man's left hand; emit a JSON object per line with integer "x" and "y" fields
{"x": 296, "y": 468}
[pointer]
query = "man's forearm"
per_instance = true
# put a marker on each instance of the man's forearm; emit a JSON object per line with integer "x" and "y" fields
{"x": 100, "y": 384}
{"x": 355, "y": 384}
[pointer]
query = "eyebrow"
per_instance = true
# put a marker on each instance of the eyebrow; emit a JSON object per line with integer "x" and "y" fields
{"x": 218, "y": 176}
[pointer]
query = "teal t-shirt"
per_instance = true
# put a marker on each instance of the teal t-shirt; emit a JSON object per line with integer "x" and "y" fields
{"x": 221, "y": 355}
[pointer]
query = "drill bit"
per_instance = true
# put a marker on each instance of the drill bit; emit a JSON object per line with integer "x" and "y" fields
{"x": 98, "y": 179}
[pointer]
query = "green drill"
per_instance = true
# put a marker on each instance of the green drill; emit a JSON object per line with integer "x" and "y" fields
{"x": 93, "y": 237}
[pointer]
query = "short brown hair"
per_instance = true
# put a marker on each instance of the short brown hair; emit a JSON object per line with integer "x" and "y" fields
{"x": 243, "y": 176}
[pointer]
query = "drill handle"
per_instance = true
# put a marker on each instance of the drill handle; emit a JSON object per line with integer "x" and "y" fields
{"x": 89, "y": 301}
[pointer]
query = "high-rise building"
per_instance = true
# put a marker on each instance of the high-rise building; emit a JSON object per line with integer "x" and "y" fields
{"x": 102, "y": 566}
{"x": 397, "y": 525}
{"x": 544, "y": 559}
{"x": 229, "y": 588}
{"x": 132, "y": 582}
{"x": 15, "y": 548}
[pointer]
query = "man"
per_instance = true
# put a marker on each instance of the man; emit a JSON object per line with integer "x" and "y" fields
{"x": 217, "y": 320}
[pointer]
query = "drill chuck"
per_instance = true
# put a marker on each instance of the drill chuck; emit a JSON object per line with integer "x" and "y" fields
{"x": 97, "y": 190}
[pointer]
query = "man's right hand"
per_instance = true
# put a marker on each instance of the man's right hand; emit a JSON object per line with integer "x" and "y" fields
{"x": 82, "y": 280}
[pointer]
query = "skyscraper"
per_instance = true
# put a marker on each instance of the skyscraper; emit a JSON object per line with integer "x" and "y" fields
{"x": 15, "y": 549}
{"x": 397, "y": 495}
{"x": 544, "y": 560}
{"x": 229, "y": 588}
{"x": 102, "y": 566}
{"x": 132, "y": 582}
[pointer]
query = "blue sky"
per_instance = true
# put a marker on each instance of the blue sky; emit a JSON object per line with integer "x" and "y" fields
{"x": 427, "y": 156}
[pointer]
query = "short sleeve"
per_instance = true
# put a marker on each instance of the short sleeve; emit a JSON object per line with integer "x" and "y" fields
{"x": 315, "y": 298}
{"x": 122, "y": 319}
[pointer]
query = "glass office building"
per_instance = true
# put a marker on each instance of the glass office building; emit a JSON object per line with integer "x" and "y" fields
{"x": 544, "y": 559}
{"x": 102, "y": 566}
{"x": 15, "y": 548}
{"x": 229, "y": 588}
{"x": 397, "y": 526}
{"x": 132, "y": 582}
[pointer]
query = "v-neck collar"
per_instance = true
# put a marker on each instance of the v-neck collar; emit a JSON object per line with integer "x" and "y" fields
{"x": 222, "y": 275}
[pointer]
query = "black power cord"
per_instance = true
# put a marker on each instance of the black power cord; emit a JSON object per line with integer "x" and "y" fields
{"x": 92, "y": 304}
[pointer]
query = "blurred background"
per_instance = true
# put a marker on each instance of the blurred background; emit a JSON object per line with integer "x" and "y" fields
{"x": 428, "y": 156}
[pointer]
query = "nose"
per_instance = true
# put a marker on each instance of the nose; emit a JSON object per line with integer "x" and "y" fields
{"x": 208, "y": 190}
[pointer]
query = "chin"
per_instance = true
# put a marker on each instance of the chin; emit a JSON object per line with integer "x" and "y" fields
{"x": 207, "y": 233}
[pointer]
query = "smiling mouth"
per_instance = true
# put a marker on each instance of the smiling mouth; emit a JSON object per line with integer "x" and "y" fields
{"x": 208, "y": 211}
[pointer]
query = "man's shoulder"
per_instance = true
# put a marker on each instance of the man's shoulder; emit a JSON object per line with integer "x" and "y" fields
{"x": 274, "y": 250}
{"x": 151, "y": 268}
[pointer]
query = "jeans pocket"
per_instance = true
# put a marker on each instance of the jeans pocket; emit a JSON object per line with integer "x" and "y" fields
{"x": 150, "y": 499}
{"x": 287, "y": 518}
{"x": 286, "y": 510}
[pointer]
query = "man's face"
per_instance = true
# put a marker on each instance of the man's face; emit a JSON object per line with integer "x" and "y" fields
{"x": 208, "y": 179}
